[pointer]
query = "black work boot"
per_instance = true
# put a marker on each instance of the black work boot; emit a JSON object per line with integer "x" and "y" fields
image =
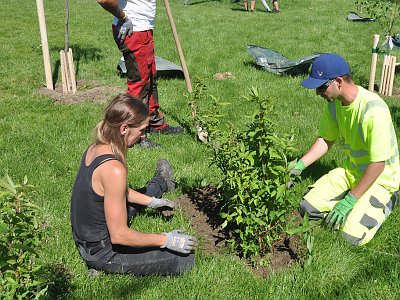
{"x": 148, "y": 144}
{"x": 168, "y": 130}
{"x": 164, "y": 169}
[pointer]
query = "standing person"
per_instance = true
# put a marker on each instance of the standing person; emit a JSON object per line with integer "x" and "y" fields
{"x": 361, "y": 194}
{"x": 102, "y": 204}
{"x": 275, "y": 6}
{"x": 133, "y": 25}
{"x": 252, "y": 5}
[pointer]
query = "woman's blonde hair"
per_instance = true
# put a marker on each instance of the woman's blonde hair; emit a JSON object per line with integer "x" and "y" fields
{"x": 123, "y": 109}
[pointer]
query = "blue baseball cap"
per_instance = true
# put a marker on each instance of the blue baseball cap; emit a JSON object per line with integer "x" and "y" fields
{"x": 325, "y": 67}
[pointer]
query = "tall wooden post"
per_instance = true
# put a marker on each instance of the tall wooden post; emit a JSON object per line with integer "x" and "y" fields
{"x": 178, "y": 47}
{"x": 373, "y": 62}
{"x": 45, "y": 45}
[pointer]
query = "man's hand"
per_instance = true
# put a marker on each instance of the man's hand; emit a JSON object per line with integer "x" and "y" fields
{"x": 165, "y": 206}
{"x": 179, "y": 242}
{"x": 124, "y": 28}
{"x": 296, "y": 171}
{"x": 339, "y": 213}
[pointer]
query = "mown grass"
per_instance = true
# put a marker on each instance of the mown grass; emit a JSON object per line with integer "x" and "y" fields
{"x": 45, "y": 140}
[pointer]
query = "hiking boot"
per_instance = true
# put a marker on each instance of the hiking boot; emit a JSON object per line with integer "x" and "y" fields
{"x": 164, "y": 169}
{"x": 168, "y": 130}
{"x": 148, "y": 144}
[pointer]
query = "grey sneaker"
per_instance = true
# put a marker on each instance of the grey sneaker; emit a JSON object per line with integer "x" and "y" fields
{"x": 148, "y": 144}
{"x": 164, "y": 169}
{"x": 92, "y": 273}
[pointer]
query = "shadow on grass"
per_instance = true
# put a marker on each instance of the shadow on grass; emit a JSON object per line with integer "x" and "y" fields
{"x": 136, "y": 286}
{"x": 395, "y": 112}
{"x": 60, "y": 286}
{"x": 59, "y": 277}
{"x": 317, "y": 170}
{"x": 79, "y": 54}
{"x": 241, "y": 9}
{"x": 187, "y": 184}
{"x": 201, "y": 2}
{"x": 295, "y": 71}
{"x": 185, "y": 121}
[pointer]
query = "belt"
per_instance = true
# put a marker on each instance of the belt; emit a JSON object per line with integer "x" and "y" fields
{"x": 93, "y": 247}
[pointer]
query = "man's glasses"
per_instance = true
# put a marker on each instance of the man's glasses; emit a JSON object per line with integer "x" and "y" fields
{"x": 325, "y": 86}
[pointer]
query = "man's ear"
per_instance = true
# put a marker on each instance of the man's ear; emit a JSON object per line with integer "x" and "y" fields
{"x": 340, "y": 79}
{"x": 123, "y": 129}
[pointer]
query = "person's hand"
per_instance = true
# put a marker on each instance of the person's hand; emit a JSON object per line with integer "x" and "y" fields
{"x": 165, "y": 206}
{"x": 124, "y": 28}
{"x": 340, "y": 211}
{"x": 294, "y": 172}
{"x": 179, "y": 242}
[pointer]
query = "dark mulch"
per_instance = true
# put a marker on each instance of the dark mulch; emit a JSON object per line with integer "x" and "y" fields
{"x": 202, "y": 208}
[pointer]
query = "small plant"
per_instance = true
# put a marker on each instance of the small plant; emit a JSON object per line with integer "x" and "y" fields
{"x": 21, "y": 233}
{"x": 386, "y": 13}
{"x": 254, "y": 166}
{"x": 308, "y": 238}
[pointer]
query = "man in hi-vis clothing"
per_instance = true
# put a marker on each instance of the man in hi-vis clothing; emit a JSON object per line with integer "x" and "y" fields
{"x": 360, "y": 195}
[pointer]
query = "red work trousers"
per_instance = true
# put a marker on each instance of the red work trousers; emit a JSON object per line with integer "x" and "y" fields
{"x": 138, "y": 52}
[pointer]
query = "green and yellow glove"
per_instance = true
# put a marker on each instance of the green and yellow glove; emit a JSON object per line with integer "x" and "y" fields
{"x": 296, "y": 171}
{"x": 298, "y": 168}
{"x": 341, "y": 210}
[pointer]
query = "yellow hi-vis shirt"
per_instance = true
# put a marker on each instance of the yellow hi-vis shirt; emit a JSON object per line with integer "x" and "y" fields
{"x": 369, "y": 136}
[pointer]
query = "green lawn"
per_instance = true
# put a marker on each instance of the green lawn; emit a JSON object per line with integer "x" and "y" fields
{"x": 45, "y": 140}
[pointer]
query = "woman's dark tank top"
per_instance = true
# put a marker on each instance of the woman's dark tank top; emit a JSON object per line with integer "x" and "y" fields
{"x": 87, "y": 208}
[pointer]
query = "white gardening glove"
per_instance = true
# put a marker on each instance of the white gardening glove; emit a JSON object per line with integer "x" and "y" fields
{"x": 179, "y": 242}
{"x": 124, "y": 28}
{"x": 165, "y": 206}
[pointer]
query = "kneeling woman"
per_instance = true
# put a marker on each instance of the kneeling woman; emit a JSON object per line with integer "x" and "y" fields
{"x": 102, "y": 205}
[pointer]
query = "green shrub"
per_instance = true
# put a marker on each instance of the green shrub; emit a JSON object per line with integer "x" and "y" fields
{"x": 21, "y": 233}
{"x": 254, "y": 166}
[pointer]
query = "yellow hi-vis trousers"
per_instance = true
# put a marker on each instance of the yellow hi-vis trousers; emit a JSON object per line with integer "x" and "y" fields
{"x": 367, "y": 214}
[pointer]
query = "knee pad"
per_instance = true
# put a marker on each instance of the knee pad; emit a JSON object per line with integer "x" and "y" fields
{"x": 303, "y": 207}
{"x": 313, "y": 213}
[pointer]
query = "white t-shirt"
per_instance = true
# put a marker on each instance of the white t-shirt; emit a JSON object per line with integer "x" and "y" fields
{"x": 141, "y": 12}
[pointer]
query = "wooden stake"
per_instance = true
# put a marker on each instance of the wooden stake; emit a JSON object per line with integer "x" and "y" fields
{"x": 63, "y": 64}
{"x": 382, "y": 88}
{"x": 373, "y": 62}
{"x": 67, "y": 72}
{"x": 45, "y": 45}
{"x": 71, "y": 70}
{"x": 388, "y": 75}
{"x": 391, "y": 74}
{"x": 387, "y": 72}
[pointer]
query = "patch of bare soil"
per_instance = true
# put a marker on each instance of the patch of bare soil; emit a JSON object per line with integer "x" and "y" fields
{"x": 224, "y": 75}
{"x": 87, "y": 90}
{"x": 202, "y": 208}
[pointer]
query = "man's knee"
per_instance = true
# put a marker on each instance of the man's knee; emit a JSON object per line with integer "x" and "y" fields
{"x": 313, "y": 213}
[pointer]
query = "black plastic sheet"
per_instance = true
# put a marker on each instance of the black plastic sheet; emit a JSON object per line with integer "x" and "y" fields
{"x": 164, "y": 67}
{"x": 276, "y": 63}
{"x": 352, "y": 16}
